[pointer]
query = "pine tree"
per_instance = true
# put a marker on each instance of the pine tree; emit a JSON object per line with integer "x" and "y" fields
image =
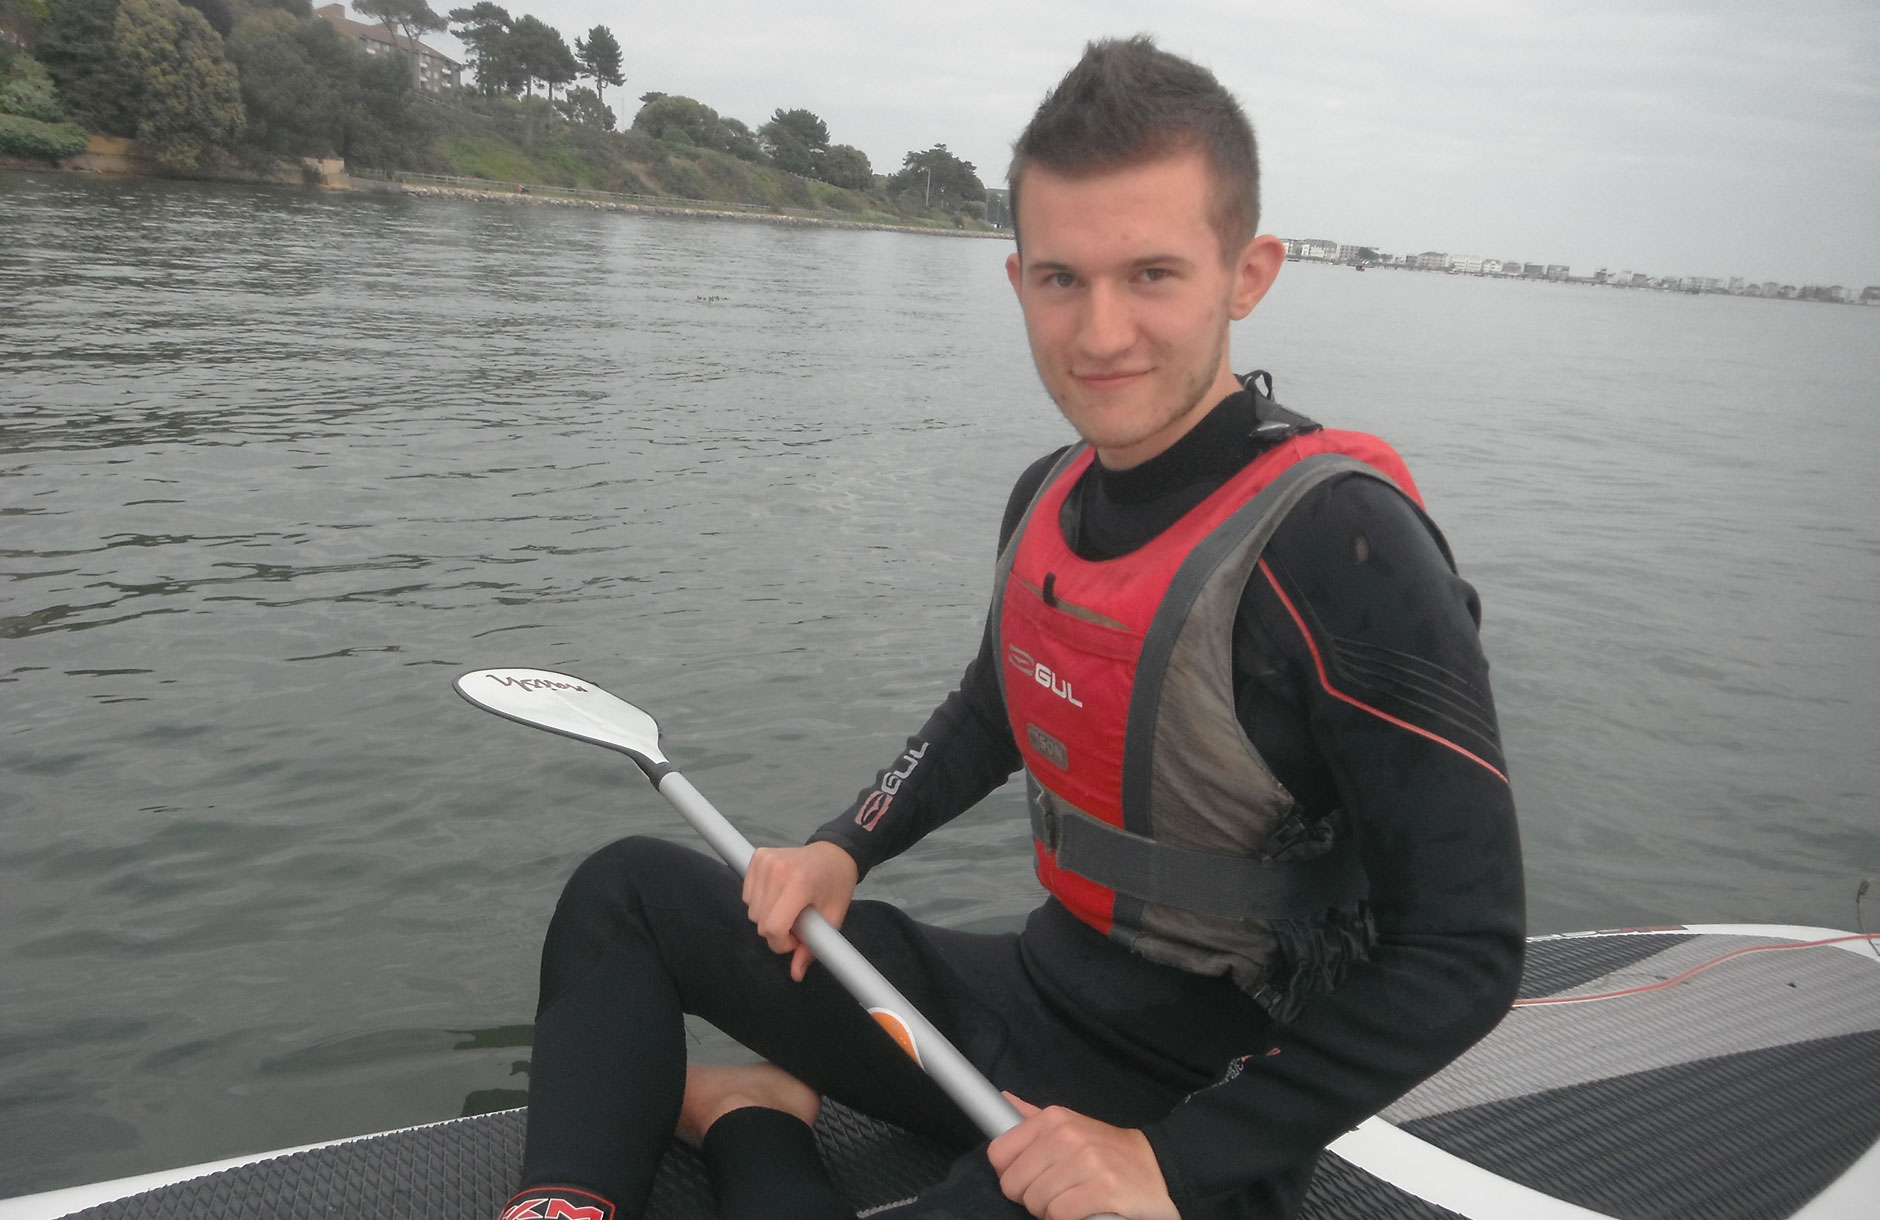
{"x": 599, "y": 56}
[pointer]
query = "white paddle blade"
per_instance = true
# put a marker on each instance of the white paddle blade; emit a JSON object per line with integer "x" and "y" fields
{"x": 567, "y": 705}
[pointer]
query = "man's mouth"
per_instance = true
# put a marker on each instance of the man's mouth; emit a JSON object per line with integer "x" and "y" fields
{"x": 1108, "y": 379}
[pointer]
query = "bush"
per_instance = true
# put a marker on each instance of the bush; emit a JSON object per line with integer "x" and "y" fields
{"x": 684, "y": 180}
{"x": 32, "y": 139}
{"x": 624, "y": 181}
{"x": 29, "y": 92}
{"x": 638, "y": 146}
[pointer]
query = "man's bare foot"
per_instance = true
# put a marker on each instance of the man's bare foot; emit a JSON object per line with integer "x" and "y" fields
{"x": 713, "y": 1092}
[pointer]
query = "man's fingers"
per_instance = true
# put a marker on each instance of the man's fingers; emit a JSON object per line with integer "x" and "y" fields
{"x": 1004, "y": 1151}
{"x": 1068, "y": 1186}
{"x": 782, "y": 883}
{"x": 1061, "y": 1165}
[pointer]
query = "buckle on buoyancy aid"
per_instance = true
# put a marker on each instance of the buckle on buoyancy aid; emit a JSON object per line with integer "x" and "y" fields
{"x": 1046, "y": 823}
{"x": 1276, "y": 423}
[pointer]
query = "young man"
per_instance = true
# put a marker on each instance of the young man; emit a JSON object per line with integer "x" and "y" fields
{"x": 1243, "y": 680}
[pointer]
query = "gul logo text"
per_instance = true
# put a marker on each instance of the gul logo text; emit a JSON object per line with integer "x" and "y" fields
{"x": 869, "y": 815}
{"x": 1042, "y": 675}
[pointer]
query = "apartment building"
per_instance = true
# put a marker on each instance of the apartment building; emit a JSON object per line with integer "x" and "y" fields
{"x": 434, "y": 71}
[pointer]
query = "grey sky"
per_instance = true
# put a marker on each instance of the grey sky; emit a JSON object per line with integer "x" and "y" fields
{"x": 1709, "y": 137}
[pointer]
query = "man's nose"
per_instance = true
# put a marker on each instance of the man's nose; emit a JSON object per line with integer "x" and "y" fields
{"x": 1109, "y": 326}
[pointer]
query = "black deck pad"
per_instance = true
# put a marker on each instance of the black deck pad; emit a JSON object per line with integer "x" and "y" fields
{"x": 1554, "y": 966}
{"x": 1342, "y": 1191}
{"x": 466, "y": 1170}
{"x": 1751, "y": 1136}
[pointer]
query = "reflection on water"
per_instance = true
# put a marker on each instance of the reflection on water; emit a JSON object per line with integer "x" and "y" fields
{"x": 275, "y": 466}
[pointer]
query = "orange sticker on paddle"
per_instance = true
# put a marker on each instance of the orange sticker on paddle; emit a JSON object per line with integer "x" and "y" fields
{"x": 897, "y": 1029}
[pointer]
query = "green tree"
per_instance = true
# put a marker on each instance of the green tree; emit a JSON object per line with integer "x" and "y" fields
{"x": 541, "y": 54}
{"x": 300, "y": 84}
{"x": 31, "y": 112}
{"x": 847, "y": 166}
{"x": 485, "y": 28}
{"x": 796, "y": 141}
{"x": 739, "y": 140}
{"x": 17, "y": 19}
{"x": 413, "y": 18}
{"x": 409, "y": 17}
{"x": 220, "y": 14}
{"x": 26, "y": 89}
{"x": 385, "y": 130}
{"x": 669, "y": 112}
{"x": 936, "y": 178}
{"x": 78, "y": 46}
{"x": 188, "y": 97}
{"x": 599, "y": 57}
{"x": 582, "y": 106}
{"x": 558, "y": 66}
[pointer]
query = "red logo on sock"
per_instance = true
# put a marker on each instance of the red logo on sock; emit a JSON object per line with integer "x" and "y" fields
{"x": 558, "y": 1203}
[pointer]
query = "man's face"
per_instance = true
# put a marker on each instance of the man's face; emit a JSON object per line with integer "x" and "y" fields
{"x": 1127, "y": 299}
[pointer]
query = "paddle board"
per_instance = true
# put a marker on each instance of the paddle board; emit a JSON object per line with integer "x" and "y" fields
{"x": 1729, "y": 1072}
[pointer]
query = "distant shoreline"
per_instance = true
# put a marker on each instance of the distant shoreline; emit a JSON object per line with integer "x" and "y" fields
{"x": 115, "y": 157}
{"x": 654, "y": 209}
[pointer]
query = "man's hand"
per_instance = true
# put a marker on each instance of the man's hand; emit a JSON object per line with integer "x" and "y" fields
{"x": 783, "y": 881}
{"x": 1062, "y": 1165}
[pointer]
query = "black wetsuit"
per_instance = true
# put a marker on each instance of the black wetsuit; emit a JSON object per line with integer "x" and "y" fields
{"x": 1384, "y": 713}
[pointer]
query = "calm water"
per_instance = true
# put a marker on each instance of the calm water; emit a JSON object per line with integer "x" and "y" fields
{"x": 275, "y": 466}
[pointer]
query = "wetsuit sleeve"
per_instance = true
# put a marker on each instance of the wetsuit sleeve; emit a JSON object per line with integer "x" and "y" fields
{"x": 964, "y": 751}
{"x": 1363, "y": 682}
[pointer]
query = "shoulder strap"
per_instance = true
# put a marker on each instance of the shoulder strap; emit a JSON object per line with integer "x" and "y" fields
{"x": 1002, "y": 570}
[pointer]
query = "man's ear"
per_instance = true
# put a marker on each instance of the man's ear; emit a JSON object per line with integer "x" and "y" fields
{"x": 1012, "y": 269}
{"x": 1254, "y": 272}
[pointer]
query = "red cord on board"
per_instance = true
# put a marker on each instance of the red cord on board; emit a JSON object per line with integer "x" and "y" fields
{"x": 1694, "y": 970}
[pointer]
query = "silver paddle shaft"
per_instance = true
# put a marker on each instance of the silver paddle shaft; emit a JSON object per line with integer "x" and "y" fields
{"x": 952, "y": 1071}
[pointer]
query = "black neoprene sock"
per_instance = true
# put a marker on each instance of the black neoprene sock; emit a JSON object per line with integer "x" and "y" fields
{"x": 764, "y": 1166}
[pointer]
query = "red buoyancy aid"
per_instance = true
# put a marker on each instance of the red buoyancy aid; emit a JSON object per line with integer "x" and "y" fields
{"x": 1150, "y": 806}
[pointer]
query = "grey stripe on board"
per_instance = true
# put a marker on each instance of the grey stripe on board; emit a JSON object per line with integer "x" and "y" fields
{"x": 1749, "y": 1003}
{"x": 1751, "y": 1136}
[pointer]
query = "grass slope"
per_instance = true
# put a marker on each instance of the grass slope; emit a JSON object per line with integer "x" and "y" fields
{"x": 517, "y": 145}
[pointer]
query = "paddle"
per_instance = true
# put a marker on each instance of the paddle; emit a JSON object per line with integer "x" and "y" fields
{"x": 579, "y": 709}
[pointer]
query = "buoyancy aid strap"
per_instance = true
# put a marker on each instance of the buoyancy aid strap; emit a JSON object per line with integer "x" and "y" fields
{"x": 1207, "y": 883}
{"x": 1002, "y": 570}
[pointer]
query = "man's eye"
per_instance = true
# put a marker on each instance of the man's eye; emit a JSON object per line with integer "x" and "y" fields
{"x": 1060, "y": 279}
{"x": 1153, "y": 274}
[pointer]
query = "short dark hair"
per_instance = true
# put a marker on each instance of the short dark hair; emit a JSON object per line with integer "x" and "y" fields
{"x": 1127, "y": 102}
